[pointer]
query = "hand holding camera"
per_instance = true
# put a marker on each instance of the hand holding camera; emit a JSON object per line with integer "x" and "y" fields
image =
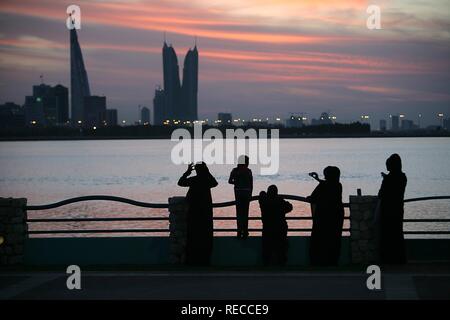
{"x": 314, "y": 175}
{"x": 190, "y": 168}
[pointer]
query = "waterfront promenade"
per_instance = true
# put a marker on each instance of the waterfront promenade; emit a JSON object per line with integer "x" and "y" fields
{"x": 410, "y": 282}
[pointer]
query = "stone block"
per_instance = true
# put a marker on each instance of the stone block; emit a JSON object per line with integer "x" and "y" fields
{"x": 363, "y": 226}
{"x": 368, "y": 214}
{"x": 6, "y": 213}
{"x": 17, "y": 259}
{"x": 365, "y": 235}
{"x": 18, "y": 249}
{"x": 13, "y": 238}
{"x": 354, "y": 225}
{"x": 16, "y": 220}
{"x": 355, "y": 215}
{"x": 364, "y": 245}
{"x": 355, "y": 199}
{"x": 7, "y": 250}
{"x": 356, "y": 234}
{"x": 19, "y": 203}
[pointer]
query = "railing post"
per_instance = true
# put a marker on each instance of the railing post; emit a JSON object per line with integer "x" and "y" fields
{"x": 363, "y": 229}
{"x": 178, "y": 208}
{"x": 13, "y": 230}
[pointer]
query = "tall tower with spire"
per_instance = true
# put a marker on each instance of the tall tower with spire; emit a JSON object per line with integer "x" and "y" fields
{"x": 190, "y": 85}
{"x": 79, "y": 83}
{"x": 172, "y": 87}
{"x": 180, "y": 101}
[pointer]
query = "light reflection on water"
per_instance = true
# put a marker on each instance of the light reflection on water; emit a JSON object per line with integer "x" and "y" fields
{"x": 49, "y": 171}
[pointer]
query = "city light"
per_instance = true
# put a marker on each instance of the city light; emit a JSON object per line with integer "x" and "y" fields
{"x": 79, "y": 121}
{"x": 95, "y": 128}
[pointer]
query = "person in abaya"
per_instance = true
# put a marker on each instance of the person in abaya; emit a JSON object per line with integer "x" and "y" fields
{"x": 242, "y": 179}
{"x": 328, "y": 218}
{"x": 274, "y": 234}
{"x": 200, "y": 214}
{"x": 391, "y": 195}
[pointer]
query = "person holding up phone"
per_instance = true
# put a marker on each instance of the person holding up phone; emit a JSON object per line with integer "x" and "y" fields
{"x": 200, "y": 214}
{"x": 328, "y": 218}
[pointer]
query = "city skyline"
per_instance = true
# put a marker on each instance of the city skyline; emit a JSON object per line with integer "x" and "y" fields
{"x": 256, "y": 60}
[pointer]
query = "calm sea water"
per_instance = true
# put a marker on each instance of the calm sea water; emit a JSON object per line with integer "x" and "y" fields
{"x": 49, "y": 171}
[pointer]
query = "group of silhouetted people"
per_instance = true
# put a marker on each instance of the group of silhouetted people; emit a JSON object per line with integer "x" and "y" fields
{"x": 327, "y": 215}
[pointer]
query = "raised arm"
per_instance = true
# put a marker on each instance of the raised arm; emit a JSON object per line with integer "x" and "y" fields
{"x": 184, "y": 180}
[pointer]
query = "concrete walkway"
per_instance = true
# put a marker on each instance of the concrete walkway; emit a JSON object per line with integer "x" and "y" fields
{"x": 402, "y": 283}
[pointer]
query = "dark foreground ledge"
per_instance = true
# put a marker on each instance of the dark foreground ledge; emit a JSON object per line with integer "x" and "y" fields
{"x": 413, "y": 281}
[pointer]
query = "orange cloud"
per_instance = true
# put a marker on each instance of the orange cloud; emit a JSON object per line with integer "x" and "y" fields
{"x": 125, "y": 16}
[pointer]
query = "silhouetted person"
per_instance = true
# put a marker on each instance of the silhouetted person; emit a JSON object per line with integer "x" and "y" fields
{"x": 328, "y": 218}
{"x": 274, "y": 235}
{"x": 242, "y": 178}
{"x": 391, "y": 195}
{"x": 200, "y": 214}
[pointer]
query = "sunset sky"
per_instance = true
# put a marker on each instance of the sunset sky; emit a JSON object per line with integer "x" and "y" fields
{"x": 256, "y": 57}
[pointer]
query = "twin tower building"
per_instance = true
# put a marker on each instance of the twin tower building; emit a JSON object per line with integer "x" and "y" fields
{"x": 177, "y": 102}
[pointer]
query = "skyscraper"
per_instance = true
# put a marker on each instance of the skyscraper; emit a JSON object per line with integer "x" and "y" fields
{"x": 109, "y": 117}
{"x": 383, "y": 125}
{"x": 47, "y": 106}
{"x": 190, "y": 86}
{"x": 145, "y": 116}
{"x": 11, "y": 115}
{"x": 172, "y": 86}
{"x": 94, "y": 111}
{"x": 225, "y": 119}
{"x": 62, "y": 103}
{"x": 395, "y": 123}
{"x": 180, "y": 101}
{"x": 159, "y": 109}
{"x": 79, "y": 83}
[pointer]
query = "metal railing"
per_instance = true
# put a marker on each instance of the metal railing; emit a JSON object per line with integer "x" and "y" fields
{"x": 166, "y": 218}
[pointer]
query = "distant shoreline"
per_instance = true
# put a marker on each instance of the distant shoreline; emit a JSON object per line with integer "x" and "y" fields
{"x": 165, "y": 137}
